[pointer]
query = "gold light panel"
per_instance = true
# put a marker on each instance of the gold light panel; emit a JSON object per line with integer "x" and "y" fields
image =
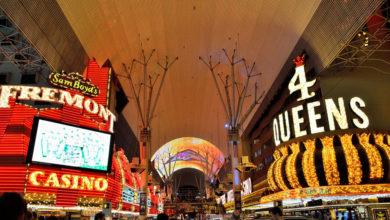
{"x": 89, "y": 201}
{"x": 327, "y": 191}
{"x": 329, "y": 160}
{"x": 351, "y": 154}
{"x": 291, "y": 168}
{"x": 374, "y": 157}
{"x": 278, "y": 169}
{"x": 308, "y": 164}
{"x": 277, "y": 180}
{"x": 379, "y": 140}
{"x": 271, "y": 176}
{"x": 40, "y": 198}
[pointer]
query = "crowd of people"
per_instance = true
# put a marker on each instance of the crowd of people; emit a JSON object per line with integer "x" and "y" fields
{"x": 14, "y": 207}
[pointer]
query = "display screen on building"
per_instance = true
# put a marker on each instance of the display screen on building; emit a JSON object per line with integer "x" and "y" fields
{"x": 128, "y": 195}
{"x": 55, "y": 143}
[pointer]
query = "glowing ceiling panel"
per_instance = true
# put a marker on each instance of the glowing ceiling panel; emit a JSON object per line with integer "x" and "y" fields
{"x": 188, "y": 152}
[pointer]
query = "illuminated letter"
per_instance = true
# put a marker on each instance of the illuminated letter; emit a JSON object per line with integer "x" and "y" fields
{"x": 103, "y": 112}
{"x": 85, "y": 181}
{"x": 75, "y": 184}
{"x": 87, "y": 106}
{"x": 365, "y": 122}
{"x": 276, "y": 132}
{"x": 30, "y": 92}
{"x": 341, "y": 116}
{"x": 55, "y": 77}
{"x": 6, "y": 93}
{"x": 76, "y": 100}
{"x": 76, "y": 84}
{"x": 65, "y": 181}
{"x": 297, "y": 121}
{"x": 303, "y": 84}
{"x": 313, "y": 117}
{"x": 33, "y": 177}
{"x": 103, "y": 187}
{"x": 284, "y": 137}
{"x": 68, "y": 83}
{"x": 48, "y": 94}
{"x": 112, "y": 120}
{"x": 53, "y": 180}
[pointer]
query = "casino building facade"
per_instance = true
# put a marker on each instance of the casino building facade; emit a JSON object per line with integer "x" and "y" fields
{"x": 321, "y": 141}
{"x": 62, "y": 157}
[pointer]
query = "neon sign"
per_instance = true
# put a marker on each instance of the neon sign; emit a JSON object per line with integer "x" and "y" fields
{"x": 36, "y": 93}
{"x": 67, "y": 181}
{"x": 334, "y": 112}
{"x": 75, "y": 82}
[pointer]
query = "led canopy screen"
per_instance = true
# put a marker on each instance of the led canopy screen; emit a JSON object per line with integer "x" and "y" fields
{"x": 188, "y": 152}
{"x": 70, "y": 146}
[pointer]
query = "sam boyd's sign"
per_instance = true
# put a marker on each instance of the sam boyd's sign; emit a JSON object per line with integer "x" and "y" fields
{"x": 75, "y": 82}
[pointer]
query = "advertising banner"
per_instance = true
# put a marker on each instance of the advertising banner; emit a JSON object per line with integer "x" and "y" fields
{"x": 143, "y": 203}
{"x": 128, "y": 195}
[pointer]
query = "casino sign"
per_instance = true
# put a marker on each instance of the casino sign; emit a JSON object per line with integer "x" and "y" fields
{"x": 335, "y": 112}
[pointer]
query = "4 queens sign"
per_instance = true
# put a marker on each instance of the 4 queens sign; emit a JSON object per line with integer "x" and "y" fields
{"x": 285, "y": 129}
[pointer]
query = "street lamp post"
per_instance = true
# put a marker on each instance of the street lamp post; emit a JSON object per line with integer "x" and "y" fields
{"x": 233, "y": 108}
{"x": 146, "y": 112}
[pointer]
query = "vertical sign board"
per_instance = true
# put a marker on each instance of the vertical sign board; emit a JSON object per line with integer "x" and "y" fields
{"x": 142, "y": 203}
{"x": 237, "y": 200}
{"x": 278, "y": 203}
{"x": 107, "y": 209}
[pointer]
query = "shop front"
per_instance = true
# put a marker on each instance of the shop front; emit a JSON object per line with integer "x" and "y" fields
{"x": 129, "y": 183}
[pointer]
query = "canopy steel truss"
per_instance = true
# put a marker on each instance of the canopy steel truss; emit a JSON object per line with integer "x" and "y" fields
{"x": 17, "y": 50}
{"x": 371, "y": 38}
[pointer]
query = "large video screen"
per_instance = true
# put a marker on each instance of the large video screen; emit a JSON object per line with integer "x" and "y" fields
{"x": 66, "y": 145}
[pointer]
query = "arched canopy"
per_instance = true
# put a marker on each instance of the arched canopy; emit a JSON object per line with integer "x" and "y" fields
{"x": 188, "y": 152}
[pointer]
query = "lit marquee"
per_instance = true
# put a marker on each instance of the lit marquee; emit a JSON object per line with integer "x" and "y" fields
{"x": 335, "y": 111}
{"x": 67, "y": 181}
{"x": 63, "y": 97}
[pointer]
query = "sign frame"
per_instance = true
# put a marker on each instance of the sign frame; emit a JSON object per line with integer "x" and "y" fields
{"x": 31, "y": 146}
{"x": 142, "y": 203}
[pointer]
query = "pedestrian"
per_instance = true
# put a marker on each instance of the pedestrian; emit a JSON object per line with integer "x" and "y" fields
{"x": 236, "y": 215}
{"x": 276, "y": 213}
{"x": 28, "y": 216}
{"x": 35, "y": 216}
{"x": 13, "y": 206}
{"x": 162, "y": 216}
{"x": 100, "y": 216}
